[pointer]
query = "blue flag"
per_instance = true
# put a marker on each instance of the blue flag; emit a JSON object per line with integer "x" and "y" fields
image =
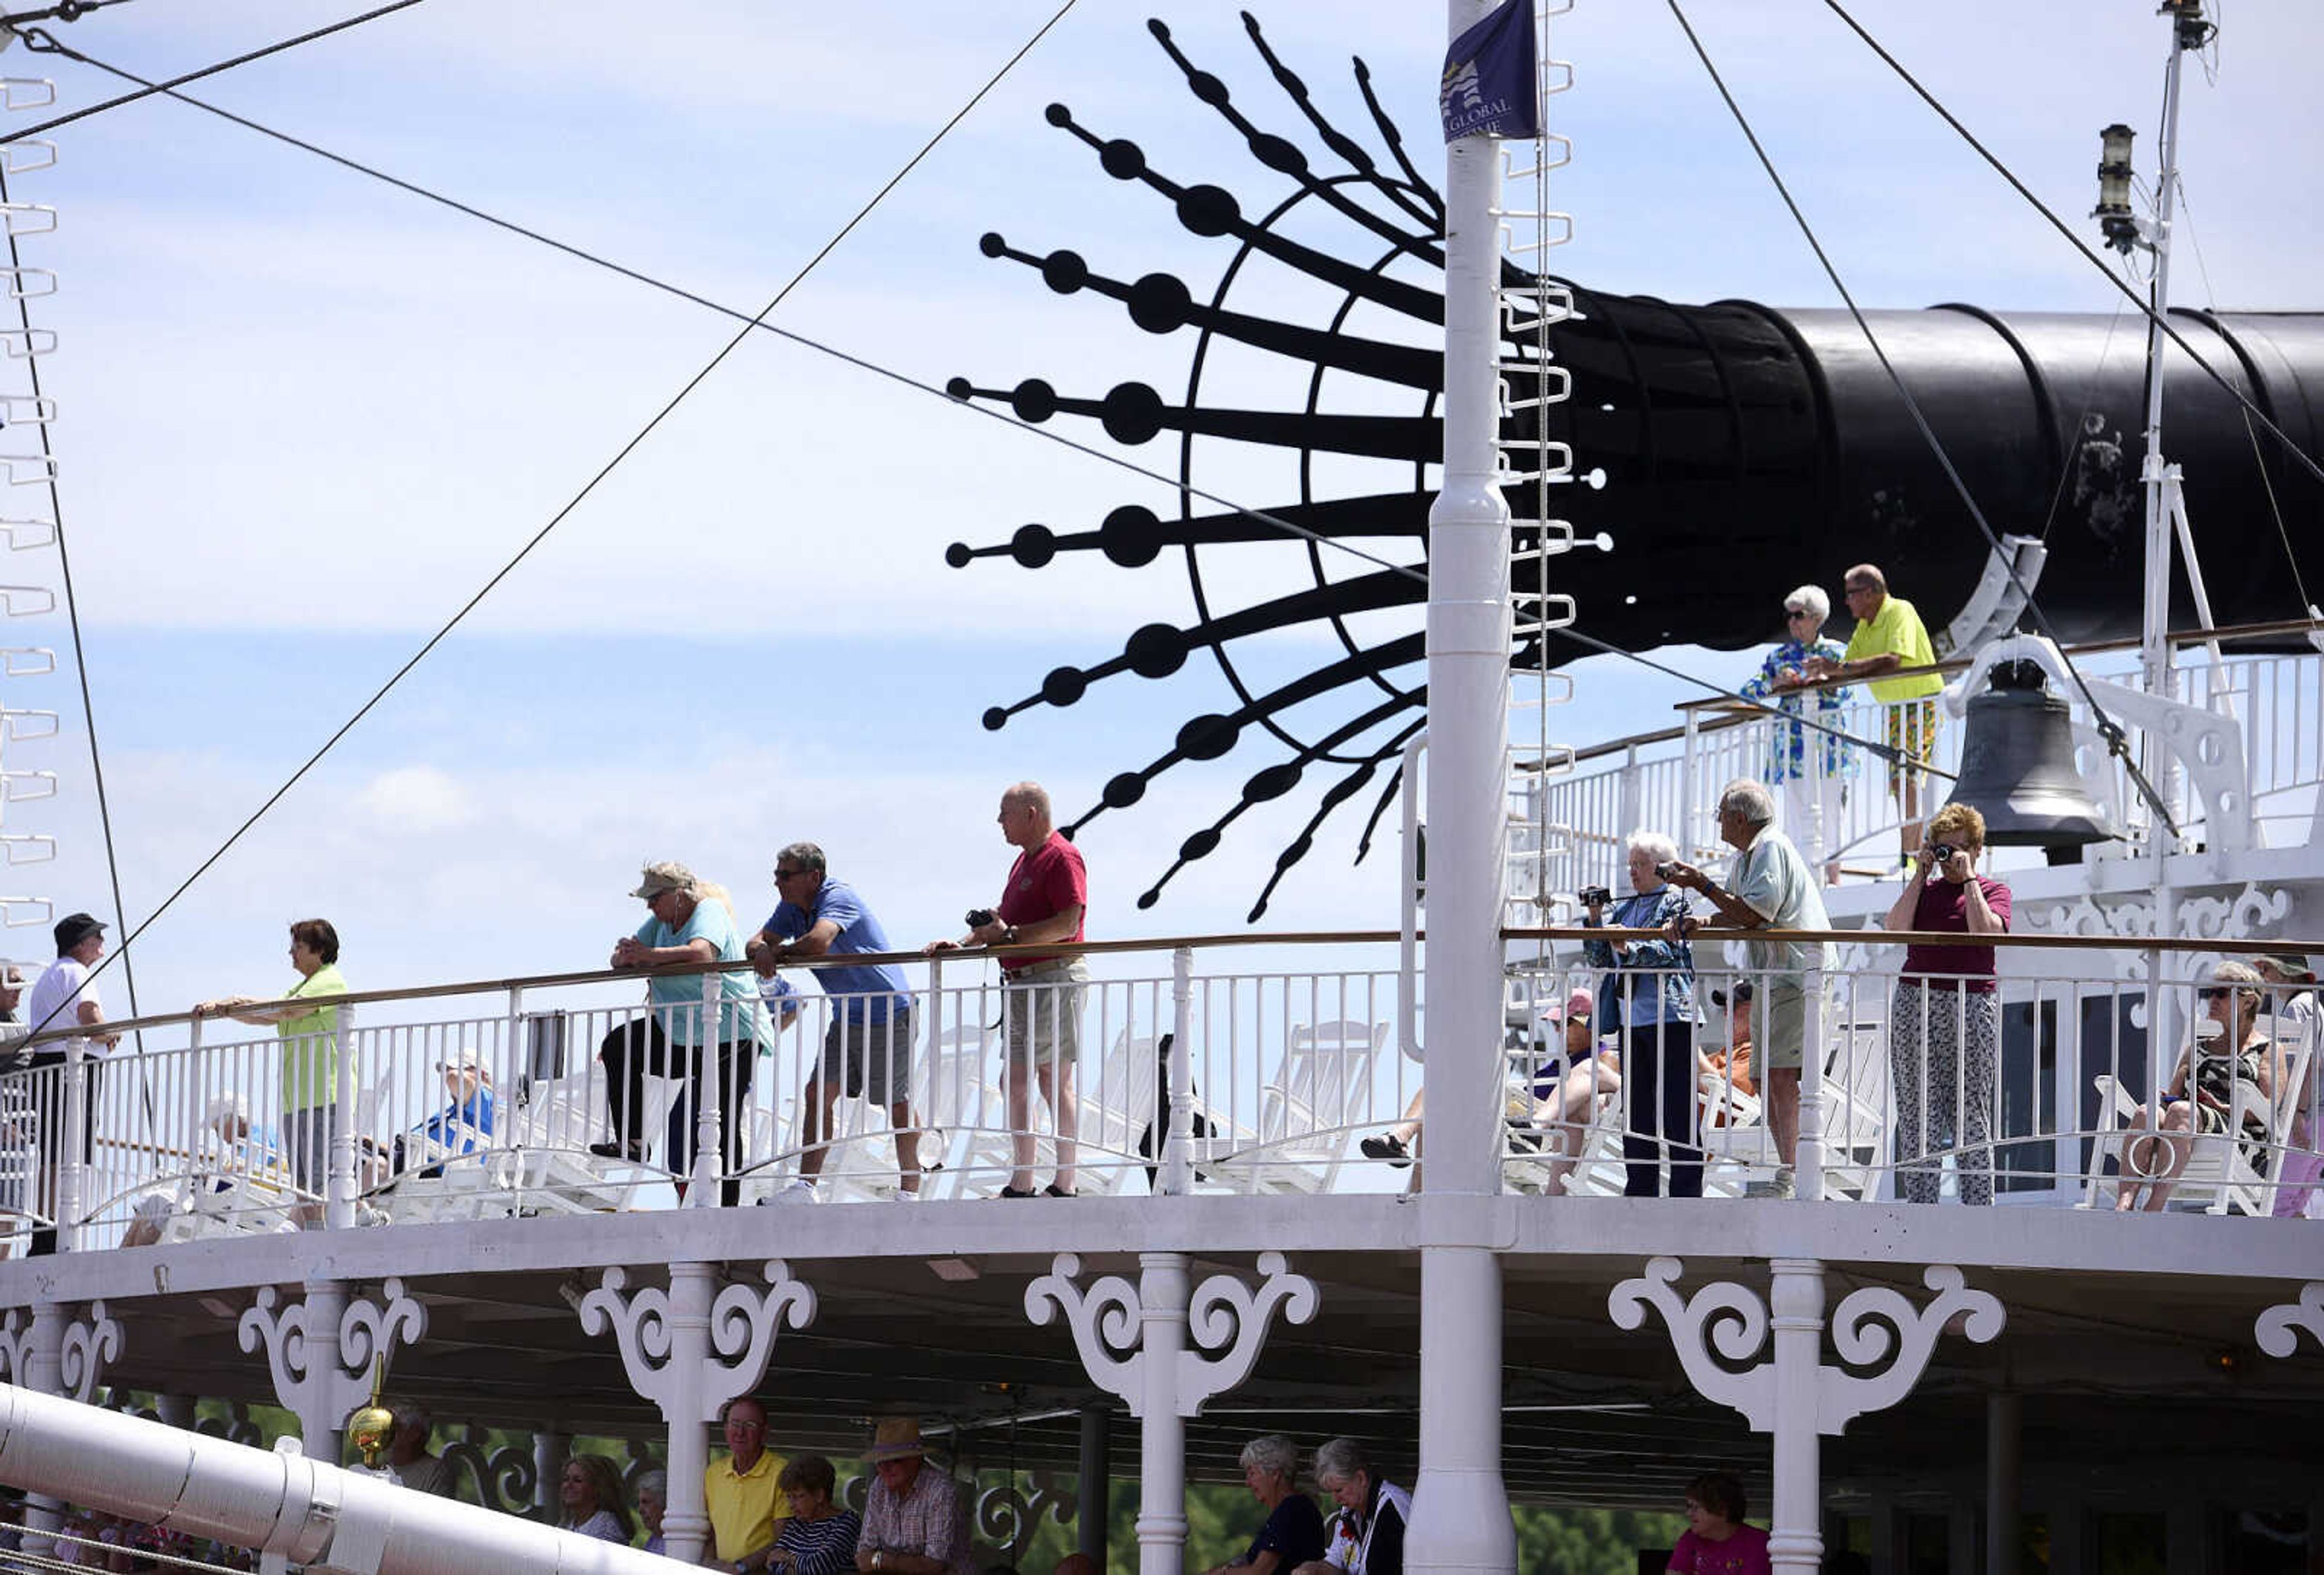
{"x": 1490, "y": 77}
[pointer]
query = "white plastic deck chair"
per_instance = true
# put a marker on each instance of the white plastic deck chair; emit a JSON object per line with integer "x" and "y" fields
{"x": 1311, "y": 1113}
{"x": 2222, "y": 1175}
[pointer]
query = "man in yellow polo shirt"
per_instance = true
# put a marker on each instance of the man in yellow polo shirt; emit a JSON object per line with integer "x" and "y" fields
{"x": 1890, "y": 636}
{"x": 738, "y": 1491}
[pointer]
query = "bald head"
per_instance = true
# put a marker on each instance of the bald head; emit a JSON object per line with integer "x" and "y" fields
{"x": 1025, "y": 820}
{"x": 1864, "y": 587}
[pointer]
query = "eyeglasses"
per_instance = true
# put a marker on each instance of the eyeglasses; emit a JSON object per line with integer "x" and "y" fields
{"x": 1857, "y": 590}
{"x": 788, "y": 874}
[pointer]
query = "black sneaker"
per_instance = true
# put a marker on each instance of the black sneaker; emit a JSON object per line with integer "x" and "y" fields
{"x": 614, "y": 1150}
{"x": 1387, "y": 1146}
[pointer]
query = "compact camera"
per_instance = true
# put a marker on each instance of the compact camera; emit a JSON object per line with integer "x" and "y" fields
{"x": 1598, "y": 895}
{"x": 978, "y": 917}
{"x": 1664, "y": 870}
{"x": 1940, "y": 855}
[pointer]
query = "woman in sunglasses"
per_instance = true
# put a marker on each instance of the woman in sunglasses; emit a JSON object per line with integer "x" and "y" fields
{"x": 1812, "y": 772}
{"x": 2229, "y": 1049}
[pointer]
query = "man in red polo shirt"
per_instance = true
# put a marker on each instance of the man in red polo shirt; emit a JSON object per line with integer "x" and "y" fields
{"x": 1044, "y": 900}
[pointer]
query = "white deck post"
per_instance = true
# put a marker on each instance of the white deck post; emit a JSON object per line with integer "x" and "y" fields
{"x": 1808, "y": 1160}
{"x": 1162, "y": 1296}
{"x": 1795, "y": 1307}
{"x": 1461, "y": 1514}
{"x": 686, "y": 1523}
{"x": 709, "y": 1154}
{"x": 319, "y": 1414}
{"x": 339, "y": 1185}
{"x": 1178, "y": 1176}
{"x": 72, "y": 1167}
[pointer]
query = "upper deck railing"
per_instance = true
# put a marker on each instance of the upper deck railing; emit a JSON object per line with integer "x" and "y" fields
{"x": 1196, "y": 1075}
{"x": 1669, "y": 779}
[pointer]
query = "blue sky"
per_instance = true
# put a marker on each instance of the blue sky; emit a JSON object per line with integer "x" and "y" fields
{"x": 304, "y": 416}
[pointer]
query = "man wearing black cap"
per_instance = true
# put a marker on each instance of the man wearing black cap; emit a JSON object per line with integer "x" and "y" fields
{"x": 62, "y": 998}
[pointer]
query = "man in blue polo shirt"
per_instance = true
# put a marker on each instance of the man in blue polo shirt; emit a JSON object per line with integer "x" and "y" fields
{"x": 867, "y": 1049}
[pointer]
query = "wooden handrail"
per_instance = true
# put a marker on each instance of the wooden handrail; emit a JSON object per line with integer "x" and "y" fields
{"x": 2093, "y": 648}
{"x": 1273, "y": 939}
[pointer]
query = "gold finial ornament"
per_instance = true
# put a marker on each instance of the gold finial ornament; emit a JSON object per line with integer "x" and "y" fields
{"x": 372, "y": 1424}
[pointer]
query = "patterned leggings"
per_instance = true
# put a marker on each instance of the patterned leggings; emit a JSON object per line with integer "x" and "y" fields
{"x": 1951, "y": 1039}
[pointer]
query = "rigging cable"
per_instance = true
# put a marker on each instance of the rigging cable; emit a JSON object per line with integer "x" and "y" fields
{"x": 2259, "y": 458}
{"x": 2118, "y": 741}
{"x": 80, "y": 654}
{"x": 750, "y": 323}
{"x": 2161, "y": 324}
{"x": 40, "y": 40}
{"x": 152, "y": 88}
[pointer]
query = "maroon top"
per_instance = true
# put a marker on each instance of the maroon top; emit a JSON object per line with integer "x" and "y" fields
{"x": 1944, "y": 906}
{"x": 1043, "y": 884}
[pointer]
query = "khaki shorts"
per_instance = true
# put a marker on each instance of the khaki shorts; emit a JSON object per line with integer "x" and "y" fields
{"x": 1780, "y": 1026}
{"x": 1042, "y": 1008}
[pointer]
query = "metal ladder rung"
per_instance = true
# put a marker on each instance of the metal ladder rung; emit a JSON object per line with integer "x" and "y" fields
{"x": 28, "y": 847}
{"x": 9, "y": 916}
{"x": 19, "y": 93}
{"x": 23, "y": 158}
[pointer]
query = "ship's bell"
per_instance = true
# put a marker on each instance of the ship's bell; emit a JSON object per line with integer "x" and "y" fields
{"x": 2018, "y": 767}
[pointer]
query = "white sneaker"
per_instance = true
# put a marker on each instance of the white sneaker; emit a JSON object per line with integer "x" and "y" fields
{"x": 798, "y": 1192}
{"x": 1786, "y": 1185}
{"x": 904, "y": 1197}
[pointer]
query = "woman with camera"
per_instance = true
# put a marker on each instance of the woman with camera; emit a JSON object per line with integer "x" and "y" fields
{"x": 1944, "y": 1030}
{"x": 2229, "y": 1047}
{"x": 1648, "y": 994}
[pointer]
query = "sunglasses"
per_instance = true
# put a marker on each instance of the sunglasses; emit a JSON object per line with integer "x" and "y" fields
{"x": 2215, "y": 992}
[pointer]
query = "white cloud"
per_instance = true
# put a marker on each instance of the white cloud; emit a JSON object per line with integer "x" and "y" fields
{"x": 416, "y": 800}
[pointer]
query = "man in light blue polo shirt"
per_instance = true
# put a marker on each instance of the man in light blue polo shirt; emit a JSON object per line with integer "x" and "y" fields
{"x": 867, "y": 1049}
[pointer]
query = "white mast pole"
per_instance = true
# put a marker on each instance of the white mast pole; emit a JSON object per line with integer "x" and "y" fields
{"x": 1461, "y": 1516}
{"x": 2154, "y": 626}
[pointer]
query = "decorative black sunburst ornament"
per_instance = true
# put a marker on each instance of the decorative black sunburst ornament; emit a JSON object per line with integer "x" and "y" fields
{"x": 1739, "y": 451}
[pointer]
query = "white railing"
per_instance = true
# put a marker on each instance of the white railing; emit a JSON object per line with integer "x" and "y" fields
{"x": 2058, "y": 1075}
{"x": 1191, "y": 1080}
{"x": 1671, "y": 782}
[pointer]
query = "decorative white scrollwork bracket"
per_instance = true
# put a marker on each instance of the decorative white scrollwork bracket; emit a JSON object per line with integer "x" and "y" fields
{"x": 1795, "y": 1394}
{"x": 1113, "y": 1324}
{"x": 16, "y": 1361}
{"x": 1132, "y": 1340}
{"x": 1879, "y": 1327}
{"x": 740, "y": 1336}
{"x": 690, "y": 1352}
{"x": 89, "y": 1343}
{"x": 2277, "y": 1332}
{"x": 1724, "y": 1316}
{"x": 1725, "y": 1324}
{"x": 320, "y": 1350}
{"x": 44, "y": 1351}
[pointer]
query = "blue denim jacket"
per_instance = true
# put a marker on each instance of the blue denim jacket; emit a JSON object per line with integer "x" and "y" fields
{"x": 1631, "y": 993}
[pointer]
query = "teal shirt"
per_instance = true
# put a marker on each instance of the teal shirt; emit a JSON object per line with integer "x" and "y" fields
{"x": 739, "y": 1017}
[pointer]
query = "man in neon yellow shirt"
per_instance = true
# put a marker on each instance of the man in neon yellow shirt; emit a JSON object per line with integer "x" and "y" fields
{"x": 1890, "y": 637}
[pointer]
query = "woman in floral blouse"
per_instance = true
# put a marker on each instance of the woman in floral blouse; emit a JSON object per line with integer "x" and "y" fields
{"x": 1812, "y": 779}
